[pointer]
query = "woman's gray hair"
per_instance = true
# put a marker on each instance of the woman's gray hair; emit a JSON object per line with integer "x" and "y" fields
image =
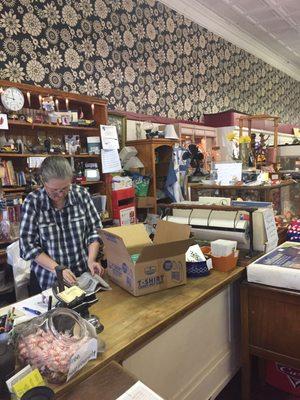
{"x": 55, "y": 167}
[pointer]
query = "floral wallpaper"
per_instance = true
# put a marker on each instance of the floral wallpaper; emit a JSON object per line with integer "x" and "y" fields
{"x": 140, "y": 55}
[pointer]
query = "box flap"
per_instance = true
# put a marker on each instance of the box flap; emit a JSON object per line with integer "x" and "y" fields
{"x": 135, "y": 237}
{"x": 165, "y": 250}
{"x": 167, "y": 232}
{"x": 114, "y": 244}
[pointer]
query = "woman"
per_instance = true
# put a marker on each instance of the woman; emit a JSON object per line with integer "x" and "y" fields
{"x": 59, "y": 226}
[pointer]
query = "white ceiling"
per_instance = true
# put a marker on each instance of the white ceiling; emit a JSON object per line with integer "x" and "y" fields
{"x": 269, "y": 29}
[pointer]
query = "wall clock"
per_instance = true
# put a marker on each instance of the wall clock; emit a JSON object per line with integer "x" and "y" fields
{"x": 12, "y": 99}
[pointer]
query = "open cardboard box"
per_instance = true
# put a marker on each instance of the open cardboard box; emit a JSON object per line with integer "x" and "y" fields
{"x": 160, "y": 264}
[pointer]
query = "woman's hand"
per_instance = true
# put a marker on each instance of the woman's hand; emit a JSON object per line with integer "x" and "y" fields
{"x": 69, "y": 277}
{"x": 95, "y": 268}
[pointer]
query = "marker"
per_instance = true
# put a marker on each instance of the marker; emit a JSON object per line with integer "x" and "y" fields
{"x": 35, "y": 312}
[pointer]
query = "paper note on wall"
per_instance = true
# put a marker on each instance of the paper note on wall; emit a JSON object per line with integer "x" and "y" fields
{"x": 109, "y": 137}
{"x": 110, "y": 161}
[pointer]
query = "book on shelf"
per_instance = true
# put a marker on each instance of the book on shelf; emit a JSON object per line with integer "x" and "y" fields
{"x": 20, "y": 177}
{"x": 12, "y": 177}
{"x": 9, "y": 178}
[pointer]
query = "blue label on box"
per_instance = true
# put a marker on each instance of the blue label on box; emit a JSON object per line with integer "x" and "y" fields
{"x": 167, "y": 265}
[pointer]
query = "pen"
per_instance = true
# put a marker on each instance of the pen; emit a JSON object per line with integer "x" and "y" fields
{"x": 50, "y": 303}
{"x": 36, "y": 312}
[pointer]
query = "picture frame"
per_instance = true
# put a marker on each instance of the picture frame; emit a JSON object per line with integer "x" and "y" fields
{"x": 120, "y": 122}
{"x": 74, "y": 117}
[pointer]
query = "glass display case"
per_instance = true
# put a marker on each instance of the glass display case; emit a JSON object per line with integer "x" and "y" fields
{"x": 289, "y": 160}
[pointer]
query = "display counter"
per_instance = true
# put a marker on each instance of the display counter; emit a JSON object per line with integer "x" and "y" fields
{"x": 131, "y": 324}
{"x": 275, "y": 193}
{"x": 194, "y": 327}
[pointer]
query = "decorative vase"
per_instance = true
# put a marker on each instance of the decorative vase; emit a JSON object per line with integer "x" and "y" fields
{"x": 244, "y": 153}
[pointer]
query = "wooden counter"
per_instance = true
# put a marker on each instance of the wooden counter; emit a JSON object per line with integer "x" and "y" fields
{"x": 130, "y": 322}
{"x": 111, "y": 381}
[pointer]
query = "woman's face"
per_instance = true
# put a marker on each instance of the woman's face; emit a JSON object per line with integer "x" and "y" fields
{"x": 57, "y": 189}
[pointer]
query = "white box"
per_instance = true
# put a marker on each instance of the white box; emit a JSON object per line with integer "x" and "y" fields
{"x": 223, "y": 248}
{"x": 280, "y": 267}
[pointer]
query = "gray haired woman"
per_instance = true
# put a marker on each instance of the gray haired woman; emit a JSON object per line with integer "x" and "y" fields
{"x": 59, "y": 227}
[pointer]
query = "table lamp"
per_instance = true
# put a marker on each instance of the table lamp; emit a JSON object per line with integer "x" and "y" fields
{"x": 170, "y": 132}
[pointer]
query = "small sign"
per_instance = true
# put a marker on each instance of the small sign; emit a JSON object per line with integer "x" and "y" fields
{"x": 86, "y": 353}
{"x": 3, "y": 121}
{"x": 31, "y": 380}
{"x": 271, "y": 230}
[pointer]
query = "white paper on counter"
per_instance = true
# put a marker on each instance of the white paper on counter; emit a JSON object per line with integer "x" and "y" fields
{"x": 109, "y": 137}
{"x": 139, "y": 391}
{"x": 110, "y": 161}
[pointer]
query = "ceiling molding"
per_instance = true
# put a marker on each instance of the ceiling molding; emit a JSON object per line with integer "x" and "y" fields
{"x": 214, "y": 23}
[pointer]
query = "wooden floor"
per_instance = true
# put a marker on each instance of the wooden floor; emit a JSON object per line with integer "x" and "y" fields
{"x": 260, "y": 392}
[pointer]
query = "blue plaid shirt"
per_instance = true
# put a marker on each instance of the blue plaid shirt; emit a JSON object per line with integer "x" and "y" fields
{"x": 64, "y": 235}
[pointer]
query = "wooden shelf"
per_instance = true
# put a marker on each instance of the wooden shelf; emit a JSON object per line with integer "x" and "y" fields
{"x": 27, "y": 155}
{"x": 92, "y": 108}
{"x": 52, "y": 126}
{"x": 14, "y": 189}
{"x": 22, "y": 188}
{"x": 90, "y": 183}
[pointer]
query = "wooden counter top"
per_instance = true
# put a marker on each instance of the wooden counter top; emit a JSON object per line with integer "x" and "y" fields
{"x": 287, "y": 182}
{"x": 111, "y": 381}
{"x": 129, "y": 322}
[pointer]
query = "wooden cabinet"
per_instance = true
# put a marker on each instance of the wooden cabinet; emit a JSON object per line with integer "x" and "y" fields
{"x": 32, "y": 126}
{"x": 198, "y": 134}
{"x": 155, "y": 154}
{"x": 270, "y": 328}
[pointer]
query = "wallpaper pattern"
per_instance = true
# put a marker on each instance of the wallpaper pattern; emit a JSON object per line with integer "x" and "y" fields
{"x": 140, "y": 55}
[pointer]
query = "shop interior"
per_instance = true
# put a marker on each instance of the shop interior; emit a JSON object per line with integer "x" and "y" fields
{"x": 184, "y": 151}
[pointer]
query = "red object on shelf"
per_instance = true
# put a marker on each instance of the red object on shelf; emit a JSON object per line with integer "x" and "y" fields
{"x": 123, "y": 206}
{"x": 283, "y": 378}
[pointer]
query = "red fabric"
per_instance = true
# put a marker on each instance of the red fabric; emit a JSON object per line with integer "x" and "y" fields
{"x": 283, "y": 378}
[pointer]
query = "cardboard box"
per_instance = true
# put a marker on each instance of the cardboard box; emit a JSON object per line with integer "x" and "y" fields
{"x": 155, "y": 265}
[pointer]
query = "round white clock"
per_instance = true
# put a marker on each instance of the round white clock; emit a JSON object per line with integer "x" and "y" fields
{"x": 12, "y": 99}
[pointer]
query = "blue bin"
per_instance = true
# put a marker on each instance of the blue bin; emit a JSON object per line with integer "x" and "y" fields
{"x": 196, "y": 269}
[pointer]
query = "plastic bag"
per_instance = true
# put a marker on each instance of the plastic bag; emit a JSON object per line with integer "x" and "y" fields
{"x": 50, "y": 341}
{"x": 141, "y": 185}
{"x": 21, "y": 270}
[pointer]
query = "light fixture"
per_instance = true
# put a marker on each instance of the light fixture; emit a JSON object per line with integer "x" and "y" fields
{"x": 28, "y": 99}
{"x": 170, "y": 132}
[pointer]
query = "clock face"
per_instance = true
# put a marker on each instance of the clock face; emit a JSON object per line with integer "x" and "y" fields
{"x": 12, "y": 99}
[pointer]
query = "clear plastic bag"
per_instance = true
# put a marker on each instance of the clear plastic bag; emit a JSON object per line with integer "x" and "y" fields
{"x": 48, "y": 342}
